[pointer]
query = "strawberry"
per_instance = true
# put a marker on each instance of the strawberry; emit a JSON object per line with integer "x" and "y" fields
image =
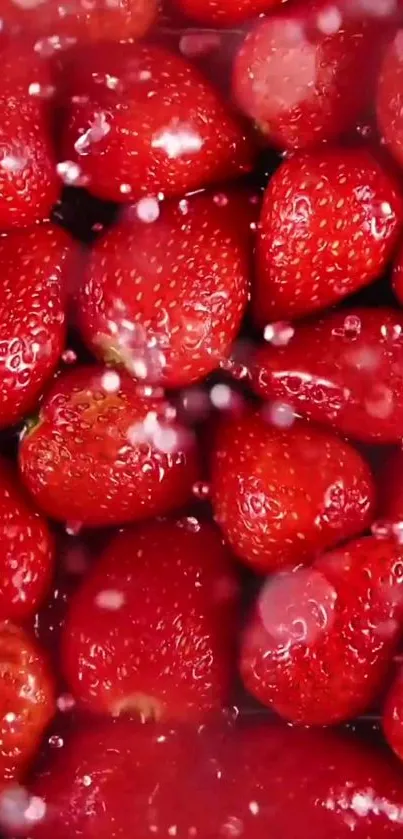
{"x": 390, "y": 483}
{"x": 320, "y": 640}
{"x": 29, "y": 184}
{"x": 104, "y": 453}
{"x": 224, "y": 12}
{"x": 167, "y": 298}
{"x": 392, "y": 719}
{"x": 264, "y": 496}
{"x": 159, "y": 128}
{"x": 389, "y": 102}
{"x": 26, "y": 700}
{"x": 345, "y": 370}
{"x": 397, "y": 275}
{"x": 56, "y": 27}
{"x": 152, "y": 629}
{"x": 329, "y": 223}
{"x": 120, "y": 779}
{"x": 26, "y": 551}
{"x": 298, "y": 73}
{"x": 36, "y": 269}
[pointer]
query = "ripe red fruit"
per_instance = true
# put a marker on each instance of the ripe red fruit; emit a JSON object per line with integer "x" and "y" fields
{"x": 264, "y": 779}
{"x": 390, "y": 483}
{"x": 167, "y": 298}
{"x": 392, "y": 719}
{"x": 282, "y": 494}
{"x": 320, "y": 641}
{"x": 397, "y": 275}
{"x": 26, "y": 551}
{"x": 102, "y": 453}
{"x": 29, "y": 184}
{"x": 161, "y": 128}
{"x": 344, "y": 370}
{"x": 56, "y": 27}
{"x": 298, "y": 73}
{"x": 36, "y": 266}
{"x": 151, "y": 630}
{"x": 224, "y": 12}
{"x": 26, "y": 700}
{"x": 389, "y": 97}
{"x": 329, "y": 223}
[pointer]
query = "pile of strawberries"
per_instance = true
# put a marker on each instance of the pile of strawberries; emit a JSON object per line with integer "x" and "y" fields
{"x": 201, "y": 414}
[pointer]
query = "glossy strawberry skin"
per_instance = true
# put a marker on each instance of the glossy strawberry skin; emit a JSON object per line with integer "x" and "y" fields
{"x": 267, "y": 777}
{"x": 392, "y": 719}
{"x": 29, "y": 185}
{"x": 298, "y": 72}
{"x": 320, "y": 642}
{"x": 151, "y": 630}
{"x": 56, "y": 27}
{"x": 329, "y": 224}
{"x": 344, "y": 370}
{"x": 26, "y": 700}
{"x": 91, "y": 459}
{"x": 389, "y": 97}
{"x": 154, "y": 131}
{"x": 26, "y": 551}
{"x": 36, "y": 269}
{"x": 224, "y": 12}
{"x": 189, "y": 270}
{"x": 264, "y": 497}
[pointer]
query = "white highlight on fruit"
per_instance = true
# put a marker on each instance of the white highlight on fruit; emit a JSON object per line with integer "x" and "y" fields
{"x": 329, "y": 20}
{"x": 148, "y": 209}
{"x": 110, "y": 381}
{"x": 177, "y": 141}
{"x": 221, "y": 396}
{"x": 110, "y": 599}
{"x": 19, "y": 809}
{"x": 69, "y": 172}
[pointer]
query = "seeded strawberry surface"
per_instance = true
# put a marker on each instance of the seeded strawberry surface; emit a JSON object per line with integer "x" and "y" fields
{"x": 393, "y": 715}
{"x": 36, "y": 267}
{"x": 267, "y": 502}
{"x": 329, "y": 224}
{"x": 93, "y": 458}
{"x": 151, "y": 630}
{"x": 318, "y": 646}
{"x": 166, "y": 298}
{"x": 344, "y": 370}
{"x": 154, "y": 131}
{"x": 224, "y": 12}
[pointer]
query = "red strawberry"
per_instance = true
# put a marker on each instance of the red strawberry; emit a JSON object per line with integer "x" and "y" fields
{"x": 152, "y": 629}
{"x": 55, "y": 26}
{"x": 282, "y": 494}
{"x": 390, "y": 481}
{"x": 390, "y": 97}
{"x": 320, "y": 641}
{"x": 299, "y": 72}
{"x": 393, "y": 715}
{"x": 120, "y": 779}
{"x": 345, "y": 370}
{"x": 144, "y": 121}
{"x": 36, "y": 266}
{"x": 224, "y": 12}
{"x": 397, "y": 276}
{"x": 29, "y": 184}
{"x": 167, "y": 297}
{"x": 102, "y": 453}
{"x": 26, "y": 551}
{"x": 329, "y": 224}
{"x": 26, "y": 700}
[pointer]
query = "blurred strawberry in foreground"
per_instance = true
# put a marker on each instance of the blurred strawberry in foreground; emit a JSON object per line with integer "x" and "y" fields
{"x": 298, "y": 73}
{"x": 152, "y": 629}
{"x": 320, "y": 642}
{"x": 224, "y": 12}
{"x": 29, "y": 185}
{"x": 36, "y": 270}
{"x": 158, "y": 127}
{"x": 393, "y": 715}
{"x": 101, "y": 453}
{"x": 260, "y": 779}
{"x": 345, "y": 370}
{"x": 281, "y": 494}
{"x": 26, "y": 551}
{"x": 166, "y": 289}
{"x": 56, "y": 27}
{"x": 330, "y": 221}
{"x": 26, "y": 700}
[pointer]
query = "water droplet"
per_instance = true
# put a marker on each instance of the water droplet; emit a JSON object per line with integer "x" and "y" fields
{"x": 148, "y": 209}
{"x": 65, "y": 702}
{"x": 73, "y": 528}
{"x": 110, "y": 599}
{"x": 110, "y": 381}
{"x": 381, "y": 529}
{"x": 279, "y": 334}
{"x": 279, "y": 414}
{"x": 56, "y": 742}
{"x": 69, "y": 357}
{"x": 201, "y": 490}
{"x": 19, "y": 809}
